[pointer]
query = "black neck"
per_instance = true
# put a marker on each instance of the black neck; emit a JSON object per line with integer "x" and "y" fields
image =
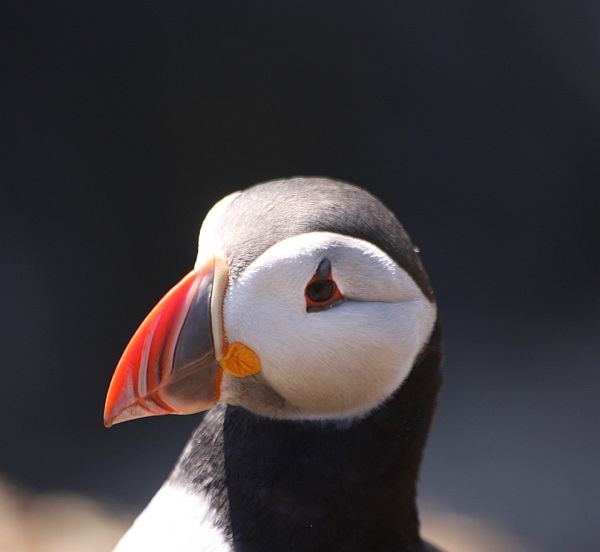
{"x": 290, "y": 486}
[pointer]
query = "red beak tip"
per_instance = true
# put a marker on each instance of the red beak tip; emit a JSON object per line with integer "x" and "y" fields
{"x": 109, "y": 419}
{"x": 131, "y": 412}
{"x": 113, "y": 416}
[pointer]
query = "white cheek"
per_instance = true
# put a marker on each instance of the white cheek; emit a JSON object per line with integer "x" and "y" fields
{"x": 338, "y": 362}
{"x": 333, "y": 363}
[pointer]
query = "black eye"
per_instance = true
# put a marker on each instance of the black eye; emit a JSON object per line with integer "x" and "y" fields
{"x": 321, "y": 290}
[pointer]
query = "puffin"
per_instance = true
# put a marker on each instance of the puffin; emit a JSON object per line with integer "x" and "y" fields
{"x": 309, "y": 333}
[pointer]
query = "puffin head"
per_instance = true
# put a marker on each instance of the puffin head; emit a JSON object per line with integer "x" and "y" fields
{"x": 307, "y": 301}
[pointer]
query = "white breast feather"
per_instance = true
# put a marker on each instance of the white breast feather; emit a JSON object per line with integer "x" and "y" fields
{"x": 175, "y": 520}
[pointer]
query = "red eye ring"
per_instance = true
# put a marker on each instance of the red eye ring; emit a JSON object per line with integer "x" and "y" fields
{"x": 322, "y": 292}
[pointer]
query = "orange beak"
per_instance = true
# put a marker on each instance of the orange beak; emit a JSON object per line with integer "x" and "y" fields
{"x": 170, "y": 365}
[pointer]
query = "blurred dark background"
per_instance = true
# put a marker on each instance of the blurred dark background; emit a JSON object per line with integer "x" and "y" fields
{"x": 478, "y": 123}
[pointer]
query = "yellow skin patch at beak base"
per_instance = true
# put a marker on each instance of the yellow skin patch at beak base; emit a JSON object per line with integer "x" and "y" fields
{"x": 240, "y": 361}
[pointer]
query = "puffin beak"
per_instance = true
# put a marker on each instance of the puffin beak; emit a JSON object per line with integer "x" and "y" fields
{"x": 170, "y": 365}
